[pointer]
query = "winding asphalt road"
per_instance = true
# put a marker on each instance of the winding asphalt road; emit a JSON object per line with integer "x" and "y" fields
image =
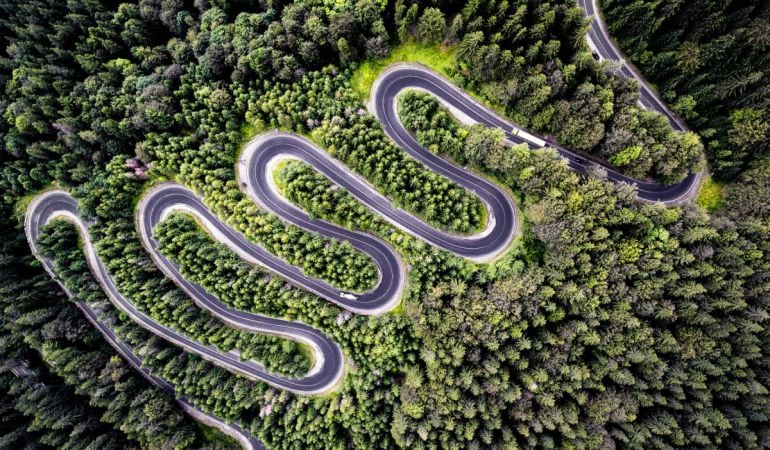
{"x": 327, "y": 369}
{"x": 259, "y": 157}
{"x": 261, "y": 154}
{"x": 601, "y": 43}
{"x": 258, "y": 163}
{"x": 168, "y": 197}
{"x": 255, "y": 176}
{"x": 59, "y": 204}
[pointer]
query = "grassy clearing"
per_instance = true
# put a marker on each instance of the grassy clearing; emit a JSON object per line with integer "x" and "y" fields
{"x": 440, "y": 58}
{"x": 710, "y": 196}
{"x": 249, "y": 130}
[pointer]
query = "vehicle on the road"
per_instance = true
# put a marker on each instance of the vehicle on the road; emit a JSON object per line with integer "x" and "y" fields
{"x": 347, "y": 296}
{"x": 550, "y": 141}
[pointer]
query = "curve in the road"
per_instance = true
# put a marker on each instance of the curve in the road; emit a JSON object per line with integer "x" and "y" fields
{"x": 328, "y": 366}
{"x": 327, "y": 369}
{"x": 59, "y": 204}
{"x": 255, "y": 171}
{"x": 403, "y": 76}
{"x": 168, "y": 197}
{"x": 603, "y": 46}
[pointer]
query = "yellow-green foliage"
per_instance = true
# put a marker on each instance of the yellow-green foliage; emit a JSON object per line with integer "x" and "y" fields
{"x": 440, "y": 58}
{"x": 711, "y": 197}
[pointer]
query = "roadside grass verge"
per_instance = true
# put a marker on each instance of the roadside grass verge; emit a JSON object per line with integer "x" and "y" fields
{"x": 440, "y": 58}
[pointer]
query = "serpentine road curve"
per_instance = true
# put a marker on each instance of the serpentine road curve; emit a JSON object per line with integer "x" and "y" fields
{"x": 328, "y": 362}
{"x": 328, "y": 367}
{"x": 255, "y": 176}
{"x": 403, "y": 76}
{"x": 59, "y": 204}
{"x": 254, "y": 169}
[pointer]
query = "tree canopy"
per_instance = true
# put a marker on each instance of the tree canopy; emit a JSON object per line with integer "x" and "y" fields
{"x": 608, "y": 323}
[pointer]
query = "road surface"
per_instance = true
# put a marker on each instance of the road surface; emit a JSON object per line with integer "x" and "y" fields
{"x": 260, "y": 156}
{"x": 327, "y": 369}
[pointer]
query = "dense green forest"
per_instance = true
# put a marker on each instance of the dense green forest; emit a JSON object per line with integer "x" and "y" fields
{"x": 711, "y": 62}
{"x": 609, "y": 323}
